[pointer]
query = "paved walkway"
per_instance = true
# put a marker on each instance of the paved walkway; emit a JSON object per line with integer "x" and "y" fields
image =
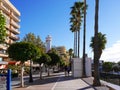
{"x": 60, "y": 82}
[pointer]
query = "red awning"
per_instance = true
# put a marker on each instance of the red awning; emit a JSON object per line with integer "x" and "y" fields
{"x": 12, "y": 62}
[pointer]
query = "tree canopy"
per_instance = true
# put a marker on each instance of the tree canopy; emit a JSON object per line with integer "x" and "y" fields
{"x": 101, "y": 39}
{"x": 2, "y": 28}
{"x": 70, "y": 51}
{"x": 101, "y": 43}
{"x": 54, "y": 57}
{"x": 32, "y": 38}
{"x": 107, "y": 66}
{"x": 77, "y": 15}
{"x": 22, "y": 51}
{"x": 45, "y": 58}
{"x": 76, "y": 20}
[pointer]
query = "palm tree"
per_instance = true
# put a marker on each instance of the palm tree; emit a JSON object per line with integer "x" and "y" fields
{"x": 71, "y": 54}
{"x": 96, "y": 81}
{"x": 101, "y": 41}
{"x": 84, "y": 39}
{"x": 76, "y": 20}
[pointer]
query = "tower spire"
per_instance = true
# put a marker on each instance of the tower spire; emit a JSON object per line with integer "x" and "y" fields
{"x": 48, "y": 43}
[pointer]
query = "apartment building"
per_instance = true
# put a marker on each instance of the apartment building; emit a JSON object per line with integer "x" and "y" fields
{"x": 12, "y": 26}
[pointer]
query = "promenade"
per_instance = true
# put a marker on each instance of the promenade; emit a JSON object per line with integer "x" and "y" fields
{"x": 58, "y": 81}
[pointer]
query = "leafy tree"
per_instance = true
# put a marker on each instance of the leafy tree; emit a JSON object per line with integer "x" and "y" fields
{"x": 116, "y": 68}
{"x": 23, "y": 51}
{"x": 44, "y": 59}
{"x": 54, "y": 56}
{"x": 76, "y": 20}
{"x": 53, "y": 50}
{"x": 55, "y": 59}
{"x": 14, "y": 68}
{"x": 107, "y": 66}
{"x": 2, "y": 28}
{"x": 30, "y": 37}
{"x": 119, "y": 63}
{"x": 101, "y": 41}
{"x": 62, "y": 63}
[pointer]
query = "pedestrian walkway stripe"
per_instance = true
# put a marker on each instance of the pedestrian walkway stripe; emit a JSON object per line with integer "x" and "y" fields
{"x": 55, "y": 84}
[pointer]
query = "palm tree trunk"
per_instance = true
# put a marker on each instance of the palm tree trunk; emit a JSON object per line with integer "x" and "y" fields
{"x": 84, "y": 40}
{"x": 96, "y": 81}
{"x": 78, "y": 43}
{"x": 74, "y": 43}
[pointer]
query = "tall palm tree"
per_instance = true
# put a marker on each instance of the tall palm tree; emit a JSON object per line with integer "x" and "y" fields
{"x": 74, "y": 28}
{"x": 76, "y": 20}
{"x": 96, "y": 81}
{"x": 84, "y": 39}
{"x": 101, "y": 45}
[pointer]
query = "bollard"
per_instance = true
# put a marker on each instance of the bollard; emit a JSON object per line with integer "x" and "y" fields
{"x": 9, "y": 79}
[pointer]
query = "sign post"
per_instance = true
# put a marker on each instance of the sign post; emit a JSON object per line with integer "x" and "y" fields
{"x": 5, "y": 80}
{"x": 9, "y": 79}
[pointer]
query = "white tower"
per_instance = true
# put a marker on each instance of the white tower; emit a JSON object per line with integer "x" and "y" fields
{"x": 48, "y": 43}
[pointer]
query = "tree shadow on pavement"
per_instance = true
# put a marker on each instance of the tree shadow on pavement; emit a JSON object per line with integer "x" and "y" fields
{"x": 85, "y": 88}
{"x": 48, "y": 80}
{"x": 51, "y": 79}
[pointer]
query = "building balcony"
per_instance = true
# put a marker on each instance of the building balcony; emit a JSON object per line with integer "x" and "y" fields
{"x": 7, "y": 26}
{"x": 14, "y": 37}
{"x": 11, "y": 6}
{"x": 3, "y": 55}
{"x": 16, "y": 31}
{"x": 15, "y": 24}
{"x": 7, "y": 40}
{"x": 15, "y": 18}
{"x": 6, "y": 10}
{"x": 3, "y": 47}
{"x": 11, "y": 41}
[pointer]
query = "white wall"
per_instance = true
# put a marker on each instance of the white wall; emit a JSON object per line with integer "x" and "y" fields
{"x": 88, "y": 66}
{"x": 77, "y": 67}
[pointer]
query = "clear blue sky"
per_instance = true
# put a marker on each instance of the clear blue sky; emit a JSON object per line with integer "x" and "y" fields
{"x": 51, "y": 17}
